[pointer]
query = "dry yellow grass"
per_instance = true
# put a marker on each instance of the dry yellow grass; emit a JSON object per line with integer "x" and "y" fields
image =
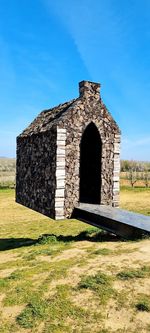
{"x": 7, "y": 171}
{"x": 137, "y": 200}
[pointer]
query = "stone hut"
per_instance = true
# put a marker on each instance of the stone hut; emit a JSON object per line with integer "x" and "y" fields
{"x": 69, "y": 154}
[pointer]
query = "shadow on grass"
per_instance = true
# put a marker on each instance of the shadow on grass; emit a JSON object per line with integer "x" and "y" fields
{"x": 88, "y": 235}
{"x": 13, "y": 243}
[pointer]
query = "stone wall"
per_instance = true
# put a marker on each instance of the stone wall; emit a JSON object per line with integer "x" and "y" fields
{"x": 36, "y": 169}
{"x": 89, "y": 108}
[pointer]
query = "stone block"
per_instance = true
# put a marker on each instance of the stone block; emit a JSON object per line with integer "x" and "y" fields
{"x": 61, "y": 151}
{"x": 59, "y": 217}
{"x": 115, "y": 192}
{"x": 117, "y": 136}
{"x": 60, "y": 164}
{"x": 117, "y": 164}
{"x": 60, "y": 172}
{"x": 60, "y": 183}
{"x": 59, "y": 199}
{"x": 60, "y": 159}
{"x": 59, "y": 211}
{"x": 61, "y": 144}
{"x": 61, "y": 130}
{"x": 116, "y": 148}
{"x": 116, "y": 178}
{"x": 61, "y": 137}
{"x": 116, "y": 185}
{"x": 59, "y": 193}
{"x": 59, "y": 204}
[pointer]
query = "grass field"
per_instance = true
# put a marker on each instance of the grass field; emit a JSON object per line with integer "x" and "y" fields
{"x": 7, "y": 172}
{"x": 68, "y": 277}
{"x": 135, "y": 199}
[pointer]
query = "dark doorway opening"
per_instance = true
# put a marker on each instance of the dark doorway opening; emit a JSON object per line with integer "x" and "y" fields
{"x": 90, "y": 165}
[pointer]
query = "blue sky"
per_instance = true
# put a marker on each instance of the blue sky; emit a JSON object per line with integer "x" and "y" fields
{"x": 47, "y": 47}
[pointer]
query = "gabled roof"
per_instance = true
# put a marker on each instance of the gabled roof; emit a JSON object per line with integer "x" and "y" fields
{"x": 46, "y": 118}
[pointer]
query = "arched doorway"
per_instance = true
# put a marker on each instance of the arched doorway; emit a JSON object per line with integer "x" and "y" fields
{"x": 90, "y": 165}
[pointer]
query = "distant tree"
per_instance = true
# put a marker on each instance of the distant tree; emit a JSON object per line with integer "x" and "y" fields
{"x": 125, "y": 165}
{"x": 146, "y": 178}
{"x": 138, "y": 165}
{"x": 148, "y": 166}
{"x": 136, "y": 170}
{"x": 132, "y": 176}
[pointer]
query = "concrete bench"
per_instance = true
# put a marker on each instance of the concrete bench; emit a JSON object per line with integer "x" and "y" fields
{"x": 114, "y": 220}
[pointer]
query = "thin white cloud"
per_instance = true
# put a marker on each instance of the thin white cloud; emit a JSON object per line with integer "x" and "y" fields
{"x": 136, "y": 148}
{"x": 101, "y": 31}
{"x": 106, "y": 38}
{"x": 145, "y": 141}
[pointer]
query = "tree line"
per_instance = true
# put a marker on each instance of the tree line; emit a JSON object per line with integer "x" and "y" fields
{"x": 136, "y": 170}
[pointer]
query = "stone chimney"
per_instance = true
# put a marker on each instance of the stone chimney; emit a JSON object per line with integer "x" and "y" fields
{"x": 89, "y": 89}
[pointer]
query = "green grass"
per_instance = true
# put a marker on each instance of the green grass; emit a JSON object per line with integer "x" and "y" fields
{"x": 3, "y": 284}
{"x": 47, "y": 239}
{"x": 34, "y": 311}
{"x": 104, "y": 251}
{"x": 135, "y": 189}
{"x": 99, "y": 283}
{"x": 134, "y": 273}
{"x": 20, "y": 294}
{"x": 58, "y": 307}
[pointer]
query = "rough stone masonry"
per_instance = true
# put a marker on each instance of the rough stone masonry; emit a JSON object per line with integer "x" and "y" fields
{"x": 49, "y": 178}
